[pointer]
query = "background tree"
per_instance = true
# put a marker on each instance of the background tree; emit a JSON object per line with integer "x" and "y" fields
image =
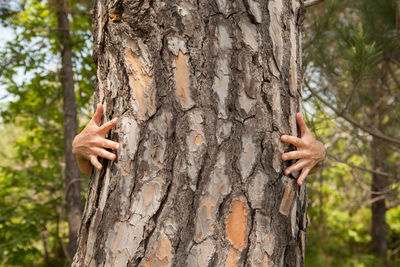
{"x": 203, "y": 91}
{"x": 71, "y": 172}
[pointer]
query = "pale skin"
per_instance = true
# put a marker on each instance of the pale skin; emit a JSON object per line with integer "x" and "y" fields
{"x": 91, "y": 144}
{"x": 309, "y": 153}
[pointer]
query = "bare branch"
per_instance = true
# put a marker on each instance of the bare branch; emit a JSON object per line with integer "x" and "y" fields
{"x": 394, "y": 252}
{"x": 393, "y": 205}
{"x": 361, "y": 167}
{"x": 350, "y": 98}
{"x": 312, "y": 2}
{"x": 373, "y": 200}
{"x": 395, "y": 61}
{"x": 393, "y": 75}
{"x": 80, "y": 12}
{"x": 372, "y": 132}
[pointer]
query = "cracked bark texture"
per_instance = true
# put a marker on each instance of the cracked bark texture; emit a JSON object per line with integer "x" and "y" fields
{"x": 203, "y": 91}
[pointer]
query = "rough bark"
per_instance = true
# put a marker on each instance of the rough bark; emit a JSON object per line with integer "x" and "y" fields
{"x": 203, "y": 91}
{"x": 71, "y": 174}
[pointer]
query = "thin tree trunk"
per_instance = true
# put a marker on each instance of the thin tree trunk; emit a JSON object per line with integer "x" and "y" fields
{"x": 71, "y": 175}
{"x": 203, "y": 91}
{"x": 378, "y": 208}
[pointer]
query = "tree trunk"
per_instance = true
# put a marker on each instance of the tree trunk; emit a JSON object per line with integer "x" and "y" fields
{"x": 71, "y": 176}
{"x": 203, "y": 91}
{"x": 379, "y": 184}
{"x": 378, "y": 208}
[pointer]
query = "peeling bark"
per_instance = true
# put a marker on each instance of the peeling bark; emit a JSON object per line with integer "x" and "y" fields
{"x": 203, "y": 91}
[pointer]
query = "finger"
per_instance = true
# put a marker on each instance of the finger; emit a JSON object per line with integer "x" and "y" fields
{"x": 298, "y": 154}
{"x": 296, "y": 167}
{"x": 107, "y": 126}
{"x": 109, "y": 144}
{"x": 104, "y": 154}
{"x": 95, "y": 162}
{"x": 303, "y": 176}
{"x": 98, "y": 114}
{"x": 301, "y": 123}
{"x": 297, "y": 142}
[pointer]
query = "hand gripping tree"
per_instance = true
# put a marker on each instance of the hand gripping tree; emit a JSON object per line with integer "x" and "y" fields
{"x": 202, "y": 90}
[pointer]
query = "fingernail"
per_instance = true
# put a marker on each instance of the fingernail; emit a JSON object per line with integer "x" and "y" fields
{"x": 284, "y": 157}
{"x": 117, "y": 146}
{"x": 99, "y": 167}
{"x": 115, "y": 119}
{"x": 284, "y": 137}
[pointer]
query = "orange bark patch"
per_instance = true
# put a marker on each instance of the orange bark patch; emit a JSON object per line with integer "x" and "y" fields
{"x": 197, "y": 140}
{"x": 115, "y": 17}
{"x": 182, "y": 80}
{"x": 162, "y": 256}
{"x": 207, "y": 205}
{"x": 141, "y": 83}
{"x": 287, "y": 201}
{"x": 236, "y": 226}
{"x": 148, "y": 194}
{"x": 199, "y": 235}
{"x": 232, "y": 260}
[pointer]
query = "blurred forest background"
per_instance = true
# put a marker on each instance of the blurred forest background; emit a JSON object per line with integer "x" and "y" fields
{"x": 351, "y": 58}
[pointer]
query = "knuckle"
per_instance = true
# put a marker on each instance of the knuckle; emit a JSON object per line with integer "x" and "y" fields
{"x": 91, "y": 143}
{"x": 103, "y": 153}
{"x": 104, "y": 143}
